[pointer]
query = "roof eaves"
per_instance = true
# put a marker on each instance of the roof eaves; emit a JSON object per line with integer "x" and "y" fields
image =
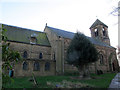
{"x": 22, "y": 28}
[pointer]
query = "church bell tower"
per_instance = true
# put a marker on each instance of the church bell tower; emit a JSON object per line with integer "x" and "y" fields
{"x": 100, "y": 31}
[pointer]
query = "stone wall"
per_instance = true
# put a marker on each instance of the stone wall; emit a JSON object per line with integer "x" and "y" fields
{"x": 107, "y": 65}
{"x": 33, "y": 50}
{"x": 18, "y": 69}
{"x": 105, "y": 51}
{"x": 57, "y": 49}
{"x": 67, "y": 67}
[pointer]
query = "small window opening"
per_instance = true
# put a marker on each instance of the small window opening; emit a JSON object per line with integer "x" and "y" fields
{"x": 47, "y": 66}
{"x": 36, "y": 66}
{"x": 33, "y": 40}
{"x": 96, "y": 32}
{"x": 101, "y": 59}
{"x": 25, "y": 55}
{"x": 104, "y": 32}
{"x": 40, "y": 56}
{"x": 25, "y": 66}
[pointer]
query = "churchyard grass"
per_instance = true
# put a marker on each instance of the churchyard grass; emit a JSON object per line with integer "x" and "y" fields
{"x": 97, "y": 81}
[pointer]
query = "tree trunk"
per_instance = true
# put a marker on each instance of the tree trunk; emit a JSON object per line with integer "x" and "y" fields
{"x": 84, "y": 71}
{"x": 95, "y": 67}
{"x": 81, "y": 72}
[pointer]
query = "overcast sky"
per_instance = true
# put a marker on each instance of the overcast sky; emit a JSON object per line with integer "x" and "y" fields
{"x": 69, "y": 15}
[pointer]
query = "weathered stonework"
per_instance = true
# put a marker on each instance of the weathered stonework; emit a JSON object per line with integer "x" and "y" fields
{"x": 33, "y": 55}
{"x": 105, "y": 51}
{"x": 52, "y": 44}
{"x": 32, "y": 50}
{"x": 108, "y": 52}
{"x": 57, "y": 48}
{"x": 18, "y": 69}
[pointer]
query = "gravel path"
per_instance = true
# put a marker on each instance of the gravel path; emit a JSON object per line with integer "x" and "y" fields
{"x": 115, "y": 82}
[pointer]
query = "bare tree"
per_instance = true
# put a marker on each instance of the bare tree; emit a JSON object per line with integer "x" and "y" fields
{"x": 116, "y": 11}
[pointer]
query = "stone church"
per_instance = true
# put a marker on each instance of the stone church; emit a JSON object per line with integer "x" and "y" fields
{"x": 44, "y": 53}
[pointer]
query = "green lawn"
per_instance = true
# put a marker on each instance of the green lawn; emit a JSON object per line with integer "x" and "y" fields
{"x": 98, "y": 81}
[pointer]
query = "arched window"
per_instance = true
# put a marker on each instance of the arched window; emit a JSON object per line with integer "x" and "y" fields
{"x": 25, "y": 66}
{"x": 47, "y": 66}
{"x": 25, "y": 55}
{"x": 101, "y": 59}
{"x": 104, "y": 32}
{"x": 96, "y": 32}
{"x": 40, "y": 56}
{"x": 36, "y": 66}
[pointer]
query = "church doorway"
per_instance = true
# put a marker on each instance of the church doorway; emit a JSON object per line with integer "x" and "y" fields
{"x": 113, "y": 66}
{"x": 110, "y": 62}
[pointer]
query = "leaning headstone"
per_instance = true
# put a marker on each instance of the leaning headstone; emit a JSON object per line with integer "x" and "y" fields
{"x": 34, "y": 79}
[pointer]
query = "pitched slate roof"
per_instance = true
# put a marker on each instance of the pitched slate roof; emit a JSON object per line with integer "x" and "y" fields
{"x": 61, "y": 32}
{"x": 70, "y": 35}
{"x": 23, "y": 35}
{"x": 98, "y": 22}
